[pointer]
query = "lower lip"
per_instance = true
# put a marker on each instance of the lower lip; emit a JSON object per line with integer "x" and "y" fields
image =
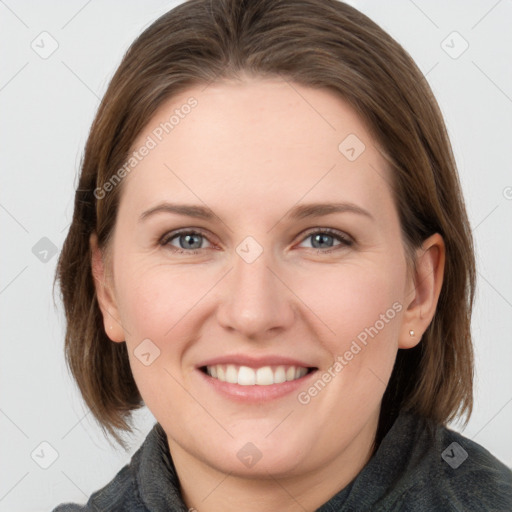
{"x": 255, "y": 393}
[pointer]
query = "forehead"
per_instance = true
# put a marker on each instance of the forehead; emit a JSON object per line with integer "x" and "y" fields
{"x": 256, "y": 141}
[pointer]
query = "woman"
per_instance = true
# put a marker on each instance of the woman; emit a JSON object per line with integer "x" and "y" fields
{"x": 234, "y": 141}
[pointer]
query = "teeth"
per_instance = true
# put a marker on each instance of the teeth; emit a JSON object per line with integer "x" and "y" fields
{"x": 231, "y": 374}
{"x": 246, "y": 376}
{"x": 264, "y": 376}
{"x": 279, "y": 375}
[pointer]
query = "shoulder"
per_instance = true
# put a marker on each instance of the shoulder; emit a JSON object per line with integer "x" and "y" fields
{"x": 148, "y": 482}
{"x": 471, "y": 475}
{"x": 121, "y": 493}
{"x": 458, "y": 474}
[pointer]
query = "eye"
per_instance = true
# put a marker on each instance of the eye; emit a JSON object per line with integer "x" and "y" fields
{"x": 188, "y": 241}
{"x": 191, "y": 241}
{"x": 324, "y": 238}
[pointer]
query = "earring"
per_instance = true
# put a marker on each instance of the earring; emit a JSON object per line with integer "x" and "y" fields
{"x": 411, "y": 333}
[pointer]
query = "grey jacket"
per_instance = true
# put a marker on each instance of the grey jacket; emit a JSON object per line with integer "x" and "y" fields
{"x": 417, "y": 467}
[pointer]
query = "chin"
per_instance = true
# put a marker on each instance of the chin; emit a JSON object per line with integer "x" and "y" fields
{"x": 258, "y": 459}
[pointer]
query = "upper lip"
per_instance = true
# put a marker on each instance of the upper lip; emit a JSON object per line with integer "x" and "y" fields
{"x": 254, "y": 362}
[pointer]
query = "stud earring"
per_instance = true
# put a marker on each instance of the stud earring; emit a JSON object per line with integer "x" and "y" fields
{"x": 411, "y": 333}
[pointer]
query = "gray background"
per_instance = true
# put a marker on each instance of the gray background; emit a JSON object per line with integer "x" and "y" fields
{"x": 47, "y": 106}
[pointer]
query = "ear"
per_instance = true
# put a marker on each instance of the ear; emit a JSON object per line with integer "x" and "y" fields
{"x": 104, "y": 293}
{"x": 424, "y": 287}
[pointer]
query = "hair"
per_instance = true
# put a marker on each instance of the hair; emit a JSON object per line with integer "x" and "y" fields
{"x": 314, "y": 43}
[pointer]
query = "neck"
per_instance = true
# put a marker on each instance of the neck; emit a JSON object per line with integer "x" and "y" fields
{"x": 206, "y": 489}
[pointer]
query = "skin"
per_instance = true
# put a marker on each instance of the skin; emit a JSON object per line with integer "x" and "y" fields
{"x": 250, "y": 151}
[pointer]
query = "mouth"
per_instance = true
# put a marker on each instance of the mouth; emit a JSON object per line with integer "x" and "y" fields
{"x": 248, "y": 379}
{"x": 262, "y": 376}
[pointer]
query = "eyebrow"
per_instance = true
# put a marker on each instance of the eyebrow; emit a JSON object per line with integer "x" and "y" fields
{"x": 298, "y": 212}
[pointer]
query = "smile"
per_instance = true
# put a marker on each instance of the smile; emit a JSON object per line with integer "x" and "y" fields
{"x": 263, "y": 376}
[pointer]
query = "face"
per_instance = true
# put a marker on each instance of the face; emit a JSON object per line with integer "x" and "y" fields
{"x": 261, "y": 330}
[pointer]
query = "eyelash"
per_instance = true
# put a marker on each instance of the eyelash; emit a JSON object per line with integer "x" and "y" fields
{"x": 344, "y": 240}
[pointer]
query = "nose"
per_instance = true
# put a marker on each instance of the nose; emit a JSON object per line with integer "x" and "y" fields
{"x": 257, "y": 302}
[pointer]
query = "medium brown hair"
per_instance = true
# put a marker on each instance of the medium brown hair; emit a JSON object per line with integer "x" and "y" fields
{"x": 315, "y": 43}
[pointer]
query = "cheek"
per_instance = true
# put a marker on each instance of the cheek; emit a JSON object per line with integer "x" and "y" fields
{"x": 360, "y": 305}
{"x": 153, "y": 298}
{"x": 155, "y": 302}
{"x": 363, "y": 306}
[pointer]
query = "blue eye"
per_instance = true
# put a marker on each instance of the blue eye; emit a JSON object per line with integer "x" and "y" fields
{"x": 191, "y": 241}
{"x": 327, "y": 236}
{"x": 188, "y": 241}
